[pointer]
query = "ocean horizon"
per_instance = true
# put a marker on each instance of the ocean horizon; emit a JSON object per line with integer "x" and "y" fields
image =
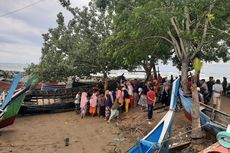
{"x": 217, "y": 70}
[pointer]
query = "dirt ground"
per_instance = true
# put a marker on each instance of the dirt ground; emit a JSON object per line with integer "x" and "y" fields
{"x": 47, "y": 133}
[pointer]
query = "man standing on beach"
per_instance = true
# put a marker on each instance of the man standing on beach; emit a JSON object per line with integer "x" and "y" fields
{"x": 210, "y": 83}
{"x": 151, "y": 98}
{"x": 217, "y": 92}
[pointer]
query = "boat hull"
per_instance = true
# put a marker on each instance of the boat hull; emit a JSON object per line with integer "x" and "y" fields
{"x": 49, "y": 108}
{"x": 8, "y": 117}
{"x": 215, "y": 148}
{"x": 6, "y": 85}
{"x": 206, "y": 121}
{"x": 7, "y": 121}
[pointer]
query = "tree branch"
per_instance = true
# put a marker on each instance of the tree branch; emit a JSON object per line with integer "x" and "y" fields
{"x": 187, "y": 16}
{"x": 222, "y": 31}
{"x": 176, "y": 45}
{"x": 160, "y": 37}
{"x": 204, "y": 31}
{"x": 176, "y": 27}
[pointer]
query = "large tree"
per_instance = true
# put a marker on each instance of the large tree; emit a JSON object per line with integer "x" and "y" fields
{"x": 54, "y": 64}
{"x": 90, "y": 27}
{"x": 132, "y": 40}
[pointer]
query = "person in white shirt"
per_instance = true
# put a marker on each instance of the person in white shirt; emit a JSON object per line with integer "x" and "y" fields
{"x": 217, "y": 89}
{"x": 77, "y": 102}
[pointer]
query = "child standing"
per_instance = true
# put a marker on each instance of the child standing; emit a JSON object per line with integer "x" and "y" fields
{"x": 77, "y": 102}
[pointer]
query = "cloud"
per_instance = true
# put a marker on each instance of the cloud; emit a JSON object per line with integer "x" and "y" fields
{"x": 19, "y": 53}
{"x": 20, "y": 32}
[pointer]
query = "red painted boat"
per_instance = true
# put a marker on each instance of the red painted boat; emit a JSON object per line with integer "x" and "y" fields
{"x": 6, "y": 83}
{"x": 216, "y": 148}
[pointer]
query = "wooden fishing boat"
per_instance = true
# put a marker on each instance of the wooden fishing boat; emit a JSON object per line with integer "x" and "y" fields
{"x": 13, "y": 101}
{"x": 157, "y": 139}
{"x": 52, "y": 87}
{"x": 6, "y": 83}
{"x": 216, "y": 148}
{"x": 46, "y": 108}
{"x": 38, "y": 102}
{"x": 212, "y": 120}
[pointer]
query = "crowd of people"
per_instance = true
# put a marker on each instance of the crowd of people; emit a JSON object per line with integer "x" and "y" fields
{"x": 129, "y": 94}
{"x": 212, "y": 89}
{"x": 126, "y": 95}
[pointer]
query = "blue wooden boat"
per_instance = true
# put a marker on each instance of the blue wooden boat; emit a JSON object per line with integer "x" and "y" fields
{"x": 157, "y": 139}
{"x": 211, "y": 119}
{"x": 52, "y": 87}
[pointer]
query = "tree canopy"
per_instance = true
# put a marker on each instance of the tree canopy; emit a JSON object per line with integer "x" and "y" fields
{"x": 111, "y": 34}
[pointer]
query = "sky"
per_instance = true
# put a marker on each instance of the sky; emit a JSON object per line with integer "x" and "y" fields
{"x": 21, "y": 31}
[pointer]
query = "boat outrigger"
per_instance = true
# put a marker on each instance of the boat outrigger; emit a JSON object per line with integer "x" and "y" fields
{"x": 157, "y": 139}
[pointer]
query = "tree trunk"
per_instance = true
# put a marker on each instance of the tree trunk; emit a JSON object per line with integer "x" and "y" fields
{"x": 106, "y": 81}
{"x": 154, "y": 70}
{"x": 147, "y": 67}
{"x": 184, "y": 75}
{"x": 148, "y": 74}
{"x": 196, "y": 128}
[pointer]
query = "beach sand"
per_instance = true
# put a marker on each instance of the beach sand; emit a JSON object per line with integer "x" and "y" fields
{"x": 46, "y": 133}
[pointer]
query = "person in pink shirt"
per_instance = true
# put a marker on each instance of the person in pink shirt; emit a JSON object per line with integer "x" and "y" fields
{"x": 93, "y": 104}
{"x": 83, "y": 105}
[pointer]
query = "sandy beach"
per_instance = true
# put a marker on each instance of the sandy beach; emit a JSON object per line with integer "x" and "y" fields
{"x": 46, "y": 133}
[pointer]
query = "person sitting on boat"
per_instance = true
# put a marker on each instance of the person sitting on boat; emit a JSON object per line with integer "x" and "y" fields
{"x": 77, "y": 102}
{"x": 83, "y": 104}
{"x": 93, "y": 103}
{"x": 217, "y": 92}
{"x": 1, "y": 101}
{"x": 3, "y": 95}
{"x": 114, "y": 111}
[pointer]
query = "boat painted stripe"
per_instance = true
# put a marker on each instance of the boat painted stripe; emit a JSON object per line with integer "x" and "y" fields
{"x": 175, "y": 90}
{"x": 12, "y": 90}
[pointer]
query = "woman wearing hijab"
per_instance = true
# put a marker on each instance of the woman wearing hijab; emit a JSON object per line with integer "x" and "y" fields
{"x": 93, "y": 104}
{"x": 108, "y": 104}
{"x": 84, "y": 101}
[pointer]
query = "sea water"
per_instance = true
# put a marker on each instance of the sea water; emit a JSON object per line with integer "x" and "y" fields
{"x": 217, "y": 70}
{"x": 13, "y": 67}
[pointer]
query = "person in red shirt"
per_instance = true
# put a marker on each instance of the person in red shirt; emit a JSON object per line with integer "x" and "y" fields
{"x": 151, "y": 99}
